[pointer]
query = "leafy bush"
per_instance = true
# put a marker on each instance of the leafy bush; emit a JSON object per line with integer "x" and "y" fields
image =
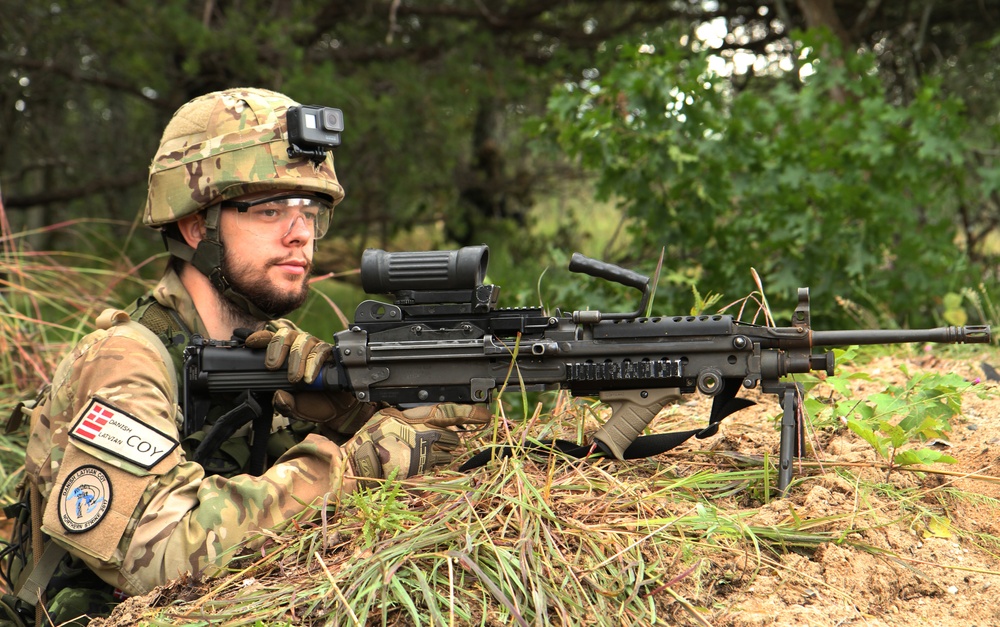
{"x": 898, "y": 421}
{"x": 822, "y": 181}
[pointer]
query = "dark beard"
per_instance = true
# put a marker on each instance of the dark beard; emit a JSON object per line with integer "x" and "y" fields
{"x": 244, "y": 280}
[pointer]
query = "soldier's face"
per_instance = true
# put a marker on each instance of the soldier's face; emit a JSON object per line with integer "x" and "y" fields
{"x": 271, "y": 266}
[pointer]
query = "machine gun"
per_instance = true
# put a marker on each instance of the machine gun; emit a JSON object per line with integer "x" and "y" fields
{"x": 443, "y": 339}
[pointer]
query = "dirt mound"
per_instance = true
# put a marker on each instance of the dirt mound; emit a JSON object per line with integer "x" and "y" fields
{"x": 929, "y": 553}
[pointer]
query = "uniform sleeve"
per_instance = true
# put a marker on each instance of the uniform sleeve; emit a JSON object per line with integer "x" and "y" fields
{"x": 121, "y": 495}
{"x": 195, "y": 524}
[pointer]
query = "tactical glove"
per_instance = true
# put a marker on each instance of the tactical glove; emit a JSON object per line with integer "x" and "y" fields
{"x": 411, "y": 441}
{"x": 338, "y": 411}
{"x": 306, "y": 354}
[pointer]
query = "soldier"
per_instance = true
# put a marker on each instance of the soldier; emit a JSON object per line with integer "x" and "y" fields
{"x": 123, "y": 505}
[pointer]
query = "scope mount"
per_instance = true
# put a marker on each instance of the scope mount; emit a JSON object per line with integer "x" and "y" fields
{"x": 480, "y": 299}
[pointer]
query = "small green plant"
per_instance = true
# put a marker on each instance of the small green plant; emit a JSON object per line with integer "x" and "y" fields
{"x": 828, "y": 411}
{"x": 382, "y": 511}
{"x": 898, "y": 421}
{"x": 703, "y": 303}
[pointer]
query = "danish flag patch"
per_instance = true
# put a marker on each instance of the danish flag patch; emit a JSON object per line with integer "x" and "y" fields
{"x": 106, "y": 427}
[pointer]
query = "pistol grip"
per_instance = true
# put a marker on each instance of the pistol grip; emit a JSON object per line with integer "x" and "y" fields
{"x": 631, "y": 413}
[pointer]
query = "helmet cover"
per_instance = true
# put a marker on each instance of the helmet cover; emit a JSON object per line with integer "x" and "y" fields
{"x": 226, "y": 144}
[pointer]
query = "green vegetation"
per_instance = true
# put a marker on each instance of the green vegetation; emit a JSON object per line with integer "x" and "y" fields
{"x": 857, "y": 159}
{"x": 541, "y": 540}
{"x": 823, "y": 182}
{"x": 896, "y": 421}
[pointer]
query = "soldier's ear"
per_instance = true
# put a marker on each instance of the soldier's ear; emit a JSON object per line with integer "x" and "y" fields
{"x": 192, "y": 229}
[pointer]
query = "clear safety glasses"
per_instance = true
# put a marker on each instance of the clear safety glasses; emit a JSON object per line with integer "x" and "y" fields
{"x": 277, "y": 215}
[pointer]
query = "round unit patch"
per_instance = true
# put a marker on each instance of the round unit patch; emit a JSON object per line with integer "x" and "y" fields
{"x": 85, "y": 499}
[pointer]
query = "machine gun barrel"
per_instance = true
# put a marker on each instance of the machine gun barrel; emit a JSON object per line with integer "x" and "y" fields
{"x": 976, "y": 334}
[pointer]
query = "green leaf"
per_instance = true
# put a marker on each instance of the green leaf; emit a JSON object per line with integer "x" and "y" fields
{"x": 841, "y": 383}
{"x": 896, "y": 435}
{"x": 886, "y": 404}
{"x": 864, "y": 410}
{"x": 868, "y": 435}
{"x": 922, "y": 456}
{"x": 938, "y": 527}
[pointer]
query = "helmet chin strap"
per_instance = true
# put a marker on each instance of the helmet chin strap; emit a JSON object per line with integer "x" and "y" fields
{"x": 207, "y": 259}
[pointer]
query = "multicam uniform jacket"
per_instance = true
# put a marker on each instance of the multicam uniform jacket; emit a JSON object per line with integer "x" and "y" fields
{"x": 118, "y": 491}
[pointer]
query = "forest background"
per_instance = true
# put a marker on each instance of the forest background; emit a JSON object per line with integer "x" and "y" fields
{"x": 850, "y": 146}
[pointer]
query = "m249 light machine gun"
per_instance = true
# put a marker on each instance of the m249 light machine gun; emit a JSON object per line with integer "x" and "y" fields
{"x": 444, "y": 339}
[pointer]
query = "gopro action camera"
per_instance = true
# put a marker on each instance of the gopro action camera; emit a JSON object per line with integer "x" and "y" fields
{"x": 313, "y": 131}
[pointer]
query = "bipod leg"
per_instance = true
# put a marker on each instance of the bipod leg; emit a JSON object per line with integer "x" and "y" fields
{"x": 792, "y": 434}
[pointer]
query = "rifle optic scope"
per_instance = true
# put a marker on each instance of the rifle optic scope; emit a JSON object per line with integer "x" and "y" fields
{"x": 384, "y": 273}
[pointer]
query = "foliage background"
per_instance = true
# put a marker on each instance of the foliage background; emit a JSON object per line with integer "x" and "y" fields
{"x": 848, "y": 146}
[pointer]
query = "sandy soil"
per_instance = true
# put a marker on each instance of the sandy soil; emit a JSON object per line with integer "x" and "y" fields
{"x": 941, "y": 568}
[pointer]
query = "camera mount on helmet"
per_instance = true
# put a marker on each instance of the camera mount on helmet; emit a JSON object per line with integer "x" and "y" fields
{"x": 313, "y": 131}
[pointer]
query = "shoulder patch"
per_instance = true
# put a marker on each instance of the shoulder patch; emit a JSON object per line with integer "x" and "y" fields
{"x": 84, "y": 499}
{"x": 105, "y": 427}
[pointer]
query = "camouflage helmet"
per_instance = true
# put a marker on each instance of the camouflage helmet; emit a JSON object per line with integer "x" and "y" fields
{"x": 226, "y": 144}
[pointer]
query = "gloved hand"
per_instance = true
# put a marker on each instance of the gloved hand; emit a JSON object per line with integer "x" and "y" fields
{"x": 306, "y": 354}
{"x": 411, "y": 441}
{"x": 339, "y": 411}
